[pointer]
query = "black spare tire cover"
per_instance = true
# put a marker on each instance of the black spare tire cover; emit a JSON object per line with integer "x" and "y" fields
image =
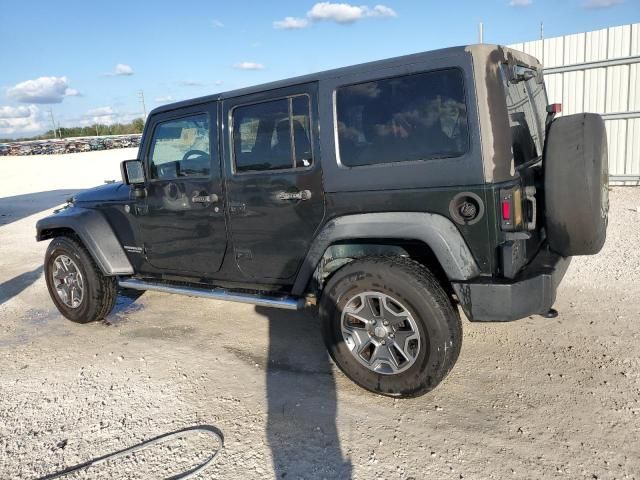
{"x": 576, "y": 184}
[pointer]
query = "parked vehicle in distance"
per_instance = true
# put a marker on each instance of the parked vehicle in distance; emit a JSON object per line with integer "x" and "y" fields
{"x": 387, "y": 193}
{"x": 70, "y": 145}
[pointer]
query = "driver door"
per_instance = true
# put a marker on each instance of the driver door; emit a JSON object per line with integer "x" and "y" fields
{"x": 182, "y": 222}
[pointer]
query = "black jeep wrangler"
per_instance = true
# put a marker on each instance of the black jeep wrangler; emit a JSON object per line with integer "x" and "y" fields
{"x": 386, "y": 193}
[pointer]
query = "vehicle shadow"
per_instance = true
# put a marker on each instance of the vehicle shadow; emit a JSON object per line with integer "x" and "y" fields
{"x": 301, "y": 397}
{"x": 16, "y": 285}
{"x": 18, "y": 207}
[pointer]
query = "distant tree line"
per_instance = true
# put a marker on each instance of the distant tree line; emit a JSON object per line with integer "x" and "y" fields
{"x": 135, "y": 126}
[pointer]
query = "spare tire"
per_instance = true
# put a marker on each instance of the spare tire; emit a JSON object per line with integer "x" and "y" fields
{"x": 576, "y": 184}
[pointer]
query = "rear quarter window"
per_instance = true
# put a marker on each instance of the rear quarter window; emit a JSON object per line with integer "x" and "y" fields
{"x": 408, "y": 118}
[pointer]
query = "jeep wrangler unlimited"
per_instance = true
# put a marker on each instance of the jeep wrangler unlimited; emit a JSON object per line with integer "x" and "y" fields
{"x": 388, "y": 193}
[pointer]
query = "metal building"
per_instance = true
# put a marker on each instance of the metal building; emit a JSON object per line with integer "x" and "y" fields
{"x": 599, "y": 72}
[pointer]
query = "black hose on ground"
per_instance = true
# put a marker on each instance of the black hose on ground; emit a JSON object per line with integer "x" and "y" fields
{"x": 208, "y": 429}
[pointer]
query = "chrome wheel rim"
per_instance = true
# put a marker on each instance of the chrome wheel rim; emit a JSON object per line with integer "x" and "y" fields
{"x": 67, "y": 281}
{"x": 380, "y": 332}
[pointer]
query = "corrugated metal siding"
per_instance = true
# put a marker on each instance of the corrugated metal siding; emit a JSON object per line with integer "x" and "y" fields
{"x": 633, "y": 147}
{"x": 611, "y": 90}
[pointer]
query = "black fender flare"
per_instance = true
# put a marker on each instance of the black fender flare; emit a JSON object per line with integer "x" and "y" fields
{"x": 95, "y": 233}
{"x": 438, "y": 232}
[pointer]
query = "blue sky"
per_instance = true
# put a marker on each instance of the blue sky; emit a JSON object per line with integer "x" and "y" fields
{"x": 88, "y": 60}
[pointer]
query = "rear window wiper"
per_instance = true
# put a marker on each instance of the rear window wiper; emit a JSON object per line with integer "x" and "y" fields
{"x": 523, "y": 77}
{"x": 528, "y": 163}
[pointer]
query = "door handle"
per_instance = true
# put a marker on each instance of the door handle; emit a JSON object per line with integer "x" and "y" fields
{"x": 212, "y": 198}
{"x": 301, "y": 195}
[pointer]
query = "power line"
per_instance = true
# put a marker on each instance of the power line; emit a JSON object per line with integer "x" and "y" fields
{"x": 144, "y": 108}
{"x": 53, "y": 122}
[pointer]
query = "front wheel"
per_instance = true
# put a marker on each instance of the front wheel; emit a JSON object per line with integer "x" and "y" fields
{"x": 389, "y": 326}
{"x": 77, "y": 286}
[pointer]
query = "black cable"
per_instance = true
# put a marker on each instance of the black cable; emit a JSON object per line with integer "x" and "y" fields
{"x": 208, "y": 429}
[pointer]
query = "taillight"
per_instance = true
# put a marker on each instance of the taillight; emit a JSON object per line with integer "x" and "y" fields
{"x": 511, "y": 208}
{"x": 506, "y": 210}
{"x": 554, "y": 108}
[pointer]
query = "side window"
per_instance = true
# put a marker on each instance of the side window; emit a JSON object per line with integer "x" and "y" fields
{"x": 272, "y": 135}
{"x": 414, "y": 117}
{"x": 180, "y": 148}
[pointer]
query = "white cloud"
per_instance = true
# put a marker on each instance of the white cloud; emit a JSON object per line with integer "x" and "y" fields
{"x": 197, "y": 84}
{"x": 20, "y": 120}
{"x": 520, "y": 3}
{"x": 101, "y": 115}
{"x": 120, "y": 70}
{"x": 42, "y": 90}
{"x": 592, "y": 4}
{"x": 249, "y": 66}
{"x": 382, "y": 11}
{"x": 165, "y": 99}
{"x": 123, "y": 69}
{"x": 346, "y": 13}
{"x": 291, "y": 23}
{"x": 217, "y": 24}
{"x": 100, "y": 111}
{"x": 190, "y": 83}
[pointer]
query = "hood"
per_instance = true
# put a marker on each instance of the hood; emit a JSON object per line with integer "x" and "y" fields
{"x": 110, "y": 192}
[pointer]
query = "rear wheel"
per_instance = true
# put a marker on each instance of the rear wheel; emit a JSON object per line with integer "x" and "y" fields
{"x": 389, "y": 326}
{"x": 77, "y": 286}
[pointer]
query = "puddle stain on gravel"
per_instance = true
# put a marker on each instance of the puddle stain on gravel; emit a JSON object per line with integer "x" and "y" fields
{"x": 167, "y": 333}
{"x": 126, "y": 304}
{"x": 14, "y": 341}
{"x": 38, "y": 317}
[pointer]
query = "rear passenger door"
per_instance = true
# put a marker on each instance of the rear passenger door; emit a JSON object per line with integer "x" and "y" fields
{"x": 273, "y": 180}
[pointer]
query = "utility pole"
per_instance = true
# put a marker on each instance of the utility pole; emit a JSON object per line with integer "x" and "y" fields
{"x": 481, "y": 32}
{"x": 144, "y": 108}
{"x": 53, "y": 122}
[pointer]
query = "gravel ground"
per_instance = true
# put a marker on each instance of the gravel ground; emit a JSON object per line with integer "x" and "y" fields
{"x": 536, "y": 398}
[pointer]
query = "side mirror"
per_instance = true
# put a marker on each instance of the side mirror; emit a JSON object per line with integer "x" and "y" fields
{"x": 132, "y": 172}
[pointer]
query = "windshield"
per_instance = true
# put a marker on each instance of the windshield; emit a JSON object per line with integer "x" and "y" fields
{"x": 526, "y": 106}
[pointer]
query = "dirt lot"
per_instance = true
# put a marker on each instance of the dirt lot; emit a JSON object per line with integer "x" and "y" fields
{"x": 531, "y": 399}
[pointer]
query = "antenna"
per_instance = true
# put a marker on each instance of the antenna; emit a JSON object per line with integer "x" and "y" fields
{"x": 541, "y": 31}
{"x": 481, "y": 32}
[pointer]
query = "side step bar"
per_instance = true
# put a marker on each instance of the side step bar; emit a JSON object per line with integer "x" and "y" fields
{"x": 285, "y": 302}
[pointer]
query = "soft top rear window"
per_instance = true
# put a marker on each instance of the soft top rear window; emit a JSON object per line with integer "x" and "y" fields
{"x": 526, "y": 106}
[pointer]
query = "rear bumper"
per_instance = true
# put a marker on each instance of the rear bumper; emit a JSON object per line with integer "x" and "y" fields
{"x": 532, "y": 292}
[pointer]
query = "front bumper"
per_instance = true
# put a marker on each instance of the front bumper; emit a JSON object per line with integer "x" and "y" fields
{"x": 532, "y": 292}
